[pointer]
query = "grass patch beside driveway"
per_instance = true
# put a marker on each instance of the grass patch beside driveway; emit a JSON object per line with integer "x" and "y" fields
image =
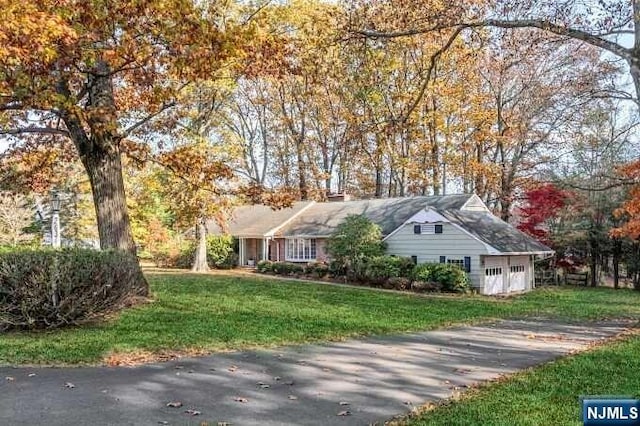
{"x": 199, "y": 313}
{"x": 547, "y": 395}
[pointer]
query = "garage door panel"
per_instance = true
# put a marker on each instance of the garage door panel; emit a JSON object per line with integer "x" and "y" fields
{"x": 517, "y": 278}
{"x": 493, "y": 276}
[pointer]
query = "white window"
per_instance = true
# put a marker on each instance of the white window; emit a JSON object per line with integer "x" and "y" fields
{"x": 300, "y": 249}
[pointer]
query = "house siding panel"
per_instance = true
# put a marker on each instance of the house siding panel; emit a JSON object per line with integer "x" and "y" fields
{"x": 452, "y": 243}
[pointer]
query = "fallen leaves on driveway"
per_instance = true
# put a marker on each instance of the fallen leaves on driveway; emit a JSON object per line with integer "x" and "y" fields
{"x": 240, "y": 399}
{"x": 174, "y": 404}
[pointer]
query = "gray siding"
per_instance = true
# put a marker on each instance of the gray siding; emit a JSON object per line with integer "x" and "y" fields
{"x": 452, "y": 243}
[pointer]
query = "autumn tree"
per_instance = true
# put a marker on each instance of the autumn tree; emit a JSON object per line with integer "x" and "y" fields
{"x": 604, "y": 25}
{"x": 17, "y": 213}
{"x": 98, "y": 74}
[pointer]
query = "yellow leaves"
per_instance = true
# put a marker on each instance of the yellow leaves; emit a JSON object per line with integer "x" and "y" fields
{"x": 30, "y": 34}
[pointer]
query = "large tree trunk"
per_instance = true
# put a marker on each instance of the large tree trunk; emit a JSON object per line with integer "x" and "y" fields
{"x": 105, "y": 175}
{"x": 200, "y": 259}
{"x": 99, "y": 151}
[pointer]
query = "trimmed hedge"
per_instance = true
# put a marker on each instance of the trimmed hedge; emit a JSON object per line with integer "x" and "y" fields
{"x": 377, "y": 270}
{"x": 53, "y": 288}
{"x": 448, "y": 277}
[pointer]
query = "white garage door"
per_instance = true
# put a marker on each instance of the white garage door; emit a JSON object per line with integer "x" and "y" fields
{"x": 517, "y": 278}
{"x": 493, "y": 276}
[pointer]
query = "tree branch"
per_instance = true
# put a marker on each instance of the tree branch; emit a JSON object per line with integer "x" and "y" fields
{"x": 541, "y": 24}
{"x": 40, "y": 130}
{"x": 147, "y": 119}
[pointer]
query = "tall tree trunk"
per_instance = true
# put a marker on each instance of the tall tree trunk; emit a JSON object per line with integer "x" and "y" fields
{"x": 200, "y": 259}
{"x": 302, "y": 171}
{"x": 617, "y": 253}
{"x": 107, "y": 185}
{"x": 595, "y": 252}
{"x": 99, "y": 152}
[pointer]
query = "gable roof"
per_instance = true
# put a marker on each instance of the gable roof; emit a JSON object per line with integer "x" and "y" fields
{"x": 495, "y": 232}
{"x": 321, "y": 219}
{"x": 317, "y": 220}
{"x": 256, "y": 220}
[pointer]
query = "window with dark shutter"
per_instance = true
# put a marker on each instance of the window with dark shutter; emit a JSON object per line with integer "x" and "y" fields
{"x": 467, "y": 264}
{"x": 443, "y": 259}
{"x": 417, "y": 229}
{"x": 438, "y": 229}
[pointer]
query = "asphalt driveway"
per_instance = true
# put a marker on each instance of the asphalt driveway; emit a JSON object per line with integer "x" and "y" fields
{"x": 356, "y": 382}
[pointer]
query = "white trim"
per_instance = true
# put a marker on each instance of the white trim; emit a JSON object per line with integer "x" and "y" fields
{"x": 523, "y": 253}
{"x": 424, "y": 215}
{"x": 287, "y": 258}
{"x": 271, "y": 232}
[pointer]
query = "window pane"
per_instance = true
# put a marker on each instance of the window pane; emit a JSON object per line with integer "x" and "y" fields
{"x": 313, "y": 249}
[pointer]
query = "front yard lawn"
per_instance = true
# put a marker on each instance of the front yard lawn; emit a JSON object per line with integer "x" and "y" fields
{"x": 547, "y": 395}
{"x": 206, "y": 313}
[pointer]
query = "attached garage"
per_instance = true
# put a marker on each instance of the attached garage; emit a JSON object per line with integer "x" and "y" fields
{"x": 506, "y": 274}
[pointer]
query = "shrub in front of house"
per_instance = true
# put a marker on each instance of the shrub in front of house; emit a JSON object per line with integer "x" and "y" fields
{"x": 53, "y": 288}
{"x": 317, "y": 269}
{"x": 286, "y": 268}
{"x": 264, "y": 266}
{"x": 440, "y": 277}
{"x": 377, "y": 270}
{"x": 355, "y": 240}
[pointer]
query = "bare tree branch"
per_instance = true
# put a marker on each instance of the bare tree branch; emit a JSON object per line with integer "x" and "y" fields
{"x": 147, "y": 119}
{"x": 574, "y": 33}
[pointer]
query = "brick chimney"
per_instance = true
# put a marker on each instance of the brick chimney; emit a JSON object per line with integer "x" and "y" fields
{"x": 342, "y": 196}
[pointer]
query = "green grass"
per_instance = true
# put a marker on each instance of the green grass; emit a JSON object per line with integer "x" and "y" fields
{"x": 212, "y": 313}
{"x": 547, "y": 395}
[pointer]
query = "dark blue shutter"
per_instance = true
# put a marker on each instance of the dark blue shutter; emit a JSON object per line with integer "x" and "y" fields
{"x": 414, "y": 259}
{"x": 467, "y": 264}
{"x": 443, "y": 259}
{"x": 438, "y": 229}
{"x": 417, "y": 229}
